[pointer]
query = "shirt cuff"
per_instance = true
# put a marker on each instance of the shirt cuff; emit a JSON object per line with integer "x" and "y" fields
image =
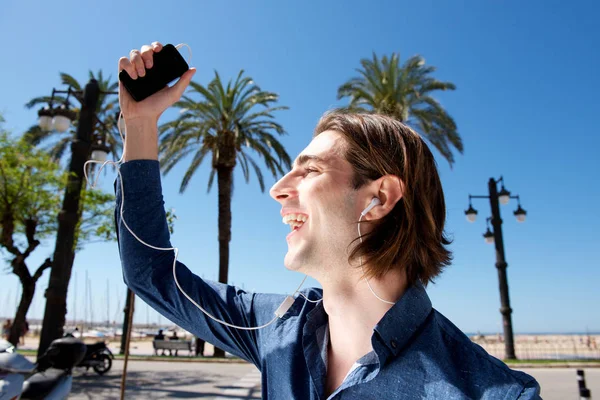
{"x": 141, "y": 176}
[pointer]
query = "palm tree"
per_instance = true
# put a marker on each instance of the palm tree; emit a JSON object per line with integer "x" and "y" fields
{"x": 106, "y": 111}
{"x": 404, "y": 92}
{"x": 224, "y": 123}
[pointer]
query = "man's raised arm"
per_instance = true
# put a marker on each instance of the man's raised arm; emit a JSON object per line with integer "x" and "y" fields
{"x": 149, "y": 272}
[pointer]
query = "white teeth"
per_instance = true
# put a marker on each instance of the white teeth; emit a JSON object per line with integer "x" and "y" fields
{"x": 295, "y": 224}
{"x": 294, "y": 219}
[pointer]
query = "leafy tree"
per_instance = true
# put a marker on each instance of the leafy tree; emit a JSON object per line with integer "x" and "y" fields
{"x": 31, "y": 187}
{"x": 404, "y": 92}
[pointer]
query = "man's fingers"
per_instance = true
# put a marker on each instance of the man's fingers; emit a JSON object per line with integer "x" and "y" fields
{"x": 125, "y": 64}
{"x": 136, "y": 59}
{"x": 124, "y": 96}
{"x": 183, "y": 83}
{"x": 157, "y": 46}
{"x": 147, "y": 55}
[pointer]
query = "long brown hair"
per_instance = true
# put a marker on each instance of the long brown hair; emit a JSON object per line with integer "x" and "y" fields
{"x": 412, "y": 235}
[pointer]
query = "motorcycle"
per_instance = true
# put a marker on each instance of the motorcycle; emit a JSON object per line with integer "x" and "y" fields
{"x": 97, "y": 356}
{"x": 49, "y": 378}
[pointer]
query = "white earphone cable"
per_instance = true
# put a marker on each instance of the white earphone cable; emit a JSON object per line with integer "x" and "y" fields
{"x": 180, "y": 45}
{"x": 309, "y": 300}
{"x": 363, "y": 268}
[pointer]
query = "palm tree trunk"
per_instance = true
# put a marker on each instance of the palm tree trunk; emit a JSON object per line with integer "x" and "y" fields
{"x": 225, "y": 183}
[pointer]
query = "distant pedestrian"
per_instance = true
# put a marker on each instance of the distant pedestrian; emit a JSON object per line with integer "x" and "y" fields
{"x": 199, "y": 347}
{"x": 160, "y": 336}
{"x": 24, "y": 330}
{"x": 6, "y": 329}
{"x": 174, "y": 337}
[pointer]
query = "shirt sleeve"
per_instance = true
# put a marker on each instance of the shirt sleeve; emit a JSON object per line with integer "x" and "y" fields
{"x": 149, "y": 272}
{"x": 531, "y": 391}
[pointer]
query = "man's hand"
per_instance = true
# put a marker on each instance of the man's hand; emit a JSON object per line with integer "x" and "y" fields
{"x": 141, "y": 118}
{"x": 152, "y": 107}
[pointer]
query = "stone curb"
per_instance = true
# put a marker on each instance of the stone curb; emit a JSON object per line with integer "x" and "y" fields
{"x": 207, "y": 360}
{"x": 554, "y": 365}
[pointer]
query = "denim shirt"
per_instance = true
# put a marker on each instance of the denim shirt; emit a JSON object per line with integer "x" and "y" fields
{"x": 417, "y": 353}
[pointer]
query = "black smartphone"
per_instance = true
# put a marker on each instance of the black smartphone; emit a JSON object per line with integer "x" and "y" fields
{"x": 167, "y": 65}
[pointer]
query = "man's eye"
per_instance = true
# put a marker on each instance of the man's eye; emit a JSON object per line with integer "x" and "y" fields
{"x": 308, "y": 171}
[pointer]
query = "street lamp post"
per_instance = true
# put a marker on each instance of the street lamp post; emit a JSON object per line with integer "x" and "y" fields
{"x": 496, "y": 198}
{"x": 64, "y": 253}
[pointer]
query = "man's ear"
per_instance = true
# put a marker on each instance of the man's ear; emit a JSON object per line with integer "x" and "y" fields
{"x": 389, "y": 189}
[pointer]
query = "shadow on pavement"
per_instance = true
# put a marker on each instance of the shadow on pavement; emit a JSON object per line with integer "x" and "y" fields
{"x": 150, "y": 385}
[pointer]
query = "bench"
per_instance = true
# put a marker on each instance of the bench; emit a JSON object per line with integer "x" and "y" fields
{"x": 172, "y": 345}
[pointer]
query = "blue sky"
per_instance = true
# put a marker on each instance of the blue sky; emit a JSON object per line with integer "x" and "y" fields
{"x": 526, "y": 106}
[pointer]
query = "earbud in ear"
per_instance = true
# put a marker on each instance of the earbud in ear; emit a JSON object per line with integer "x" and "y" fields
{"x": 372, "y": 204}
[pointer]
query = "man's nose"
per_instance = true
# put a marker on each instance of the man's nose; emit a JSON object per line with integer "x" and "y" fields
{"x": 283, "y": 189}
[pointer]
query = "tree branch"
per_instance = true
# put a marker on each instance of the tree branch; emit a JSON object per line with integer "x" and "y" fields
{"x": 19, "y": 268}
{"x": 31, "y": 248}
{"x": 24, "y": 176}
{"x": 41, "y": 269}
{"x": 90, "y": 217}
{"x": 8, "y": 229}
{"x": 5, "y": 193}
{"x": 30, "y": 228}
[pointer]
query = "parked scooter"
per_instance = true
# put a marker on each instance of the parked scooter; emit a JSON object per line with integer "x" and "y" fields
{"x": 48, "y": 379}
{"x": 97, "y": 356}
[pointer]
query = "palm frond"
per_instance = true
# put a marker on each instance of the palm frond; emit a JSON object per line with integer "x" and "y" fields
{"x": 197, "y": 160}
{"x": 35, "y": 135}
{"x": 244, "y": 164}
{"x": 385, "y": 86}
{"x": 258, "y": 173}
{"x": 67, "y": 79}
{"x": 211, "y": 178}
{"x": 58, "y": 150}
{"x": 45, "y": 100}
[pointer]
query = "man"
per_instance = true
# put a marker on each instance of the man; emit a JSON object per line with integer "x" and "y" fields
{"x": 160, "y": 335}
{"x": 24, "y": 331}
{"x": 371, "y": 332}
{"x": 174, "y": 337}
{"x": 6, "y": 328}
{"x": 199, "y": 347}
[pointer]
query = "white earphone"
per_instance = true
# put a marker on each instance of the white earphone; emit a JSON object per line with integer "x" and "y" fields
{"x": 372, "y": 204}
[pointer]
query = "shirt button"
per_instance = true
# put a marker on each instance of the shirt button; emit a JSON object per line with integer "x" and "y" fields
{"x": 393, "y": 344}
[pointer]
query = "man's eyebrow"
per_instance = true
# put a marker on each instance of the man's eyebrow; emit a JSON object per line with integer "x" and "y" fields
{"x": 304, "y": 158}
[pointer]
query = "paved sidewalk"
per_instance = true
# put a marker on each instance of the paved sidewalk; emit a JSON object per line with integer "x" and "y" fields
{"x": 160, "y": 380}
{"x": 561, "y": 383}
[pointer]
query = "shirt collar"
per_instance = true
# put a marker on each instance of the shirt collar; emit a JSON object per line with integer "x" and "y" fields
{"x": 394, "y": 331}
{"x": 403, "y": 320}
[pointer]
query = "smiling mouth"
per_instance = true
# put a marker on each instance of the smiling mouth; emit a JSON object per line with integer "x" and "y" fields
{"x": 295, "y": 221}
{"x": 294, "y": 226}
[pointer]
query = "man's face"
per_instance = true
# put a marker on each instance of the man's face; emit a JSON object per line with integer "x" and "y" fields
{"x": 320, "y": 205}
